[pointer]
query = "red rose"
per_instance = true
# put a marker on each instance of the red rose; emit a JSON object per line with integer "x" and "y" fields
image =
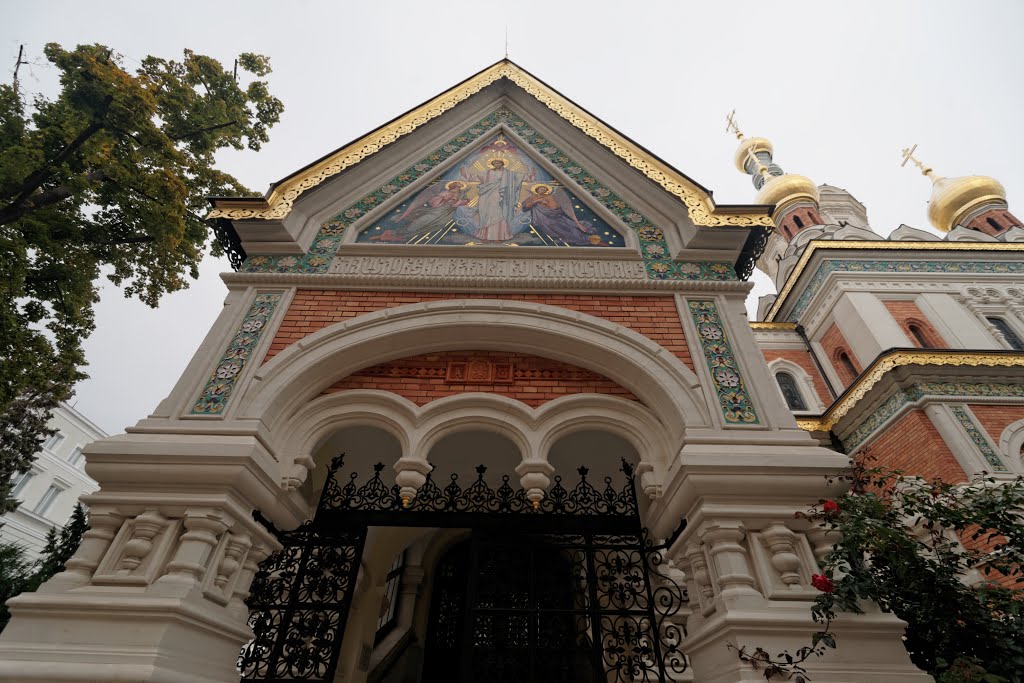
{"x": 830, "y": 507}
{"x": 822, "y": 583}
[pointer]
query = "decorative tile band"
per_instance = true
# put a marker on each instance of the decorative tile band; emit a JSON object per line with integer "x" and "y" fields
{"x": 653, "y": 246}
{"x": 915, "y": 392}
{"x": 732, "y": 392}
{"x": 218, "y": 389}
{"x": 855, "y": 266}
{"x": 964, "y": 418}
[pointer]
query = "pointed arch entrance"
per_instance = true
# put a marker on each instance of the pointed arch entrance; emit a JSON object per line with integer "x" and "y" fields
{"x": 587, "y": 585}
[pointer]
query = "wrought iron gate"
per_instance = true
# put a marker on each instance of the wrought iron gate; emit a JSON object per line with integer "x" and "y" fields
{"x": 571, "y": 589}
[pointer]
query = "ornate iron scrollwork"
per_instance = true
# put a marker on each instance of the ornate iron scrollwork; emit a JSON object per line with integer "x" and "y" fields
{"x": 596, "y": 592}
{"x": 229, "y": 241}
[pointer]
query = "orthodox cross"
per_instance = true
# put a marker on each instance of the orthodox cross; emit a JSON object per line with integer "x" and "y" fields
{"x": 908, "y": 155}
{"x": 731, "y": 126}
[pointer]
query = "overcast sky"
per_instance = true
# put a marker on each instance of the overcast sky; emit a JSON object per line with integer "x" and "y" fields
{"x": 839, "y": 88}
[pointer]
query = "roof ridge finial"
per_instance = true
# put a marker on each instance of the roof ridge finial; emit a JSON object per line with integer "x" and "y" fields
{"x": 731, "y": 126}
{"x": 908, "y": 155}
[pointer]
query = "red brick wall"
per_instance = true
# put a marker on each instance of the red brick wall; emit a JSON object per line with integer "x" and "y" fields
{"x": 804, "y": 360}
{"x": 996, "y": 418}
{"x": 834, "y": 342}
{"x": 1002, "y": 219}
{"x": 533, "y": 380}
{"x": 913, "y": 445}
{"x": 655, "y": 317}
{"x": 906, "y": 313}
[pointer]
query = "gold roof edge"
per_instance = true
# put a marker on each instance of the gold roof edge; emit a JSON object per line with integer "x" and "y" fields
{"x": 889, "y": 361}
{"x": 700, "y": 206}
{"x": 760, "y": 325}
{"x": 815, "y": 245}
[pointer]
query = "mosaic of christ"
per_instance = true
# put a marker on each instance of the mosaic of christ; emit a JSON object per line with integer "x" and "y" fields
{"x": 496, "y": 196}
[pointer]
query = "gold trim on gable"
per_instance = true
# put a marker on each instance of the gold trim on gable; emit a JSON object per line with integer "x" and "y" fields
{"x": 883, "y": 364}
{"x": 879, "y": 245}
{"x": 700, "y": 206}
{"x": 788, "y": 327}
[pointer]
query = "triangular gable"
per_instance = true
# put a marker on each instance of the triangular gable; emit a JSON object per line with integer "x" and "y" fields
{"x": 498, "y": 194}
{"x": 701, "y": 208}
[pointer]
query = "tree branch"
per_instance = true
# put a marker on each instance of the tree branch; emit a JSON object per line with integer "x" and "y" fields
{"x": 208, "y": 129}
{"x": 13, "y": 212}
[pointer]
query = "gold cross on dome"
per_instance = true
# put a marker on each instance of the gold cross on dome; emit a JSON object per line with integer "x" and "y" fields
{"x": 731, "y": 126}
{"x": 908, "y": 155}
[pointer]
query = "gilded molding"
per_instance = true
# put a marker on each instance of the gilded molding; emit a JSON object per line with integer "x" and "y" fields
{"x": 764, "y": 326}
{"x": 699, "y": 204}
{"x": 878, "y": 245}
{"x": 883, "y": 364}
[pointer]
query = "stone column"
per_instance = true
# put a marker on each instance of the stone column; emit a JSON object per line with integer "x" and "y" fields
{"x": 749, "y": 562}
{"x": 155, "y": 592}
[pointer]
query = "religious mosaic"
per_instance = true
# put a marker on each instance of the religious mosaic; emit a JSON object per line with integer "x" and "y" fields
{"x": 855, "y": 266}
{"x": 915, "y": 392}
{"x": 732, "y": 392}
{"x": 500, "y": 196}
{"x": 218, "y": 388}
{"x": 653, "y": 245}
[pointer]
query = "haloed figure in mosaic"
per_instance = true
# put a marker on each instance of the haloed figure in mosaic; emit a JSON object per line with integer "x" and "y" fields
{"x": 434, "y": 206}
{"x": 551, "y": 213}
{"x": 497, "y": 198}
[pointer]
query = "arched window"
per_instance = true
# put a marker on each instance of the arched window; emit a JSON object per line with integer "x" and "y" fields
{"x": 799, "y": 223}
{"x": 847, "y": 365}
{"x": 919, "y": 336}
{"x": 994, "y": 223}
{"x": 790, "y": 391}
{"x": 1008, "y": 334}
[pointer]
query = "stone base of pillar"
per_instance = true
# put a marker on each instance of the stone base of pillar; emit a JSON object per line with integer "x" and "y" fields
{"x": 156, "y": 640}
{"x": 869, "y": 647}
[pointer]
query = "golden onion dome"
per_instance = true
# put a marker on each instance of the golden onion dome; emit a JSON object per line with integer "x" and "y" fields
{"x": 748, "y": 145}
{"x": 954, "y": 198}
{"x": 781, "y": 190}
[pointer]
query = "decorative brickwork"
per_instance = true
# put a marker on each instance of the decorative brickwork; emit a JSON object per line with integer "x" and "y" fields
{"x": 994, "y": 222}
{"x": 996, "y": 418}
{"x": 803, "y": 359}
{"x": 530, "y": 379}
{"x": 915, "y": 325}
{"x": 912, "y": 444}
{"x": 836, "y": 347}
{"x": 655, "y": 317}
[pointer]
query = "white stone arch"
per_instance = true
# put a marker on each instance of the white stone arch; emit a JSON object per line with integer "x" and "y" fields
{"x": 301, "y": 372}
{"x": 1011, "y": 443}
{"x": 475, "y": 411}
{"x": 805, "y": 383}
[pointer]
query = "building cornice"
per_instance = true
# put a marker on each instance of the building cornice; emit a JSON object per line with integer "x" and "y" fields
{"x": 702, "y": 210}
{"x": 827, "y": 245}
{"x": 896, "y": 358}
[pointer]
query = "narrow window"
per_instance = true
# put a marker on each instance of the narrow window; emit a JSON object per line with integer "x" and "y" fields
{"x": 848, "y": 366}
{"x": 1008, "y": 334}
{"x": 76, "y": 457}
{"x": 919, "y": 337}
{"x": 20, "y": 481}
{"x": 994, "y": 223}
{"x": 790, "y": 391}
{"x": 47, "y": 500}
{"x": 389, "y": 614}
{"x": 53, "y": 441}
{"x": 799, "y": 223}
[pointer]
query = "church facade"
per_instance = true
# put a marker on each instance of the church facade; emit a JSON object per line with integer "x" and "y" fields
{"x": 567, "y": 453}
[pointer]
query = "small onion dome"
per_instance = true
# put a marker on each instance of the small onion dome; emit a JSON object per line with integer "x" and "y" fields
{"x": 781, "y": 190}
{"x": 748, "y": 145}
{"x": 954, "y": 198}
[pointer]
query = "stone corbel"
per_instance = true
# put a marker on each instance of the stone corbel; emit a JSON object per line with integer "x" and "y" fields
{"x": 297, "y": 472}
{"x": 410, "y": 475}
{"x": 535, "y": 478}
{"x": 648, "y": 480}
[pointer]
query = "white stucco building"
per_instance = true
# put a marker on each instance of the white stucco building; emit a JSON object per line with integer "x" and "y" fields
{"x": 48, "y": 492}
